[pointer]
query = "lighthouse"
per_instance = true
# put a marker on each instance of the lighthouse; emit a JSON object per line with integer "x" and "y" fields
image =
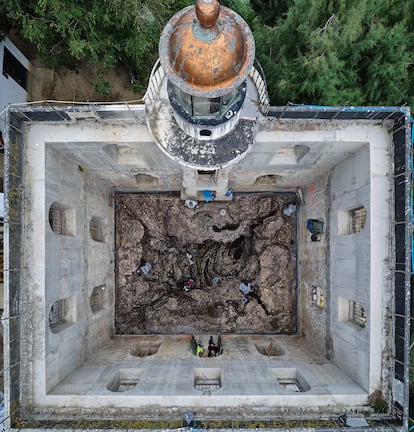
{"x": 205, "y": 94}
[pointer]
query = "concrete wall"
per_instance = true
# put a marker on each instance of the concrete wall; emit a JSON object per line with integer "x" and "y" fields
{"x": 75, "y": 265}
{"x": 295, "y": 155}
{"x": 63, "y": 267}
{"x": 124, "y": 157}
{"x": 313, "y": 271}
{"x": 72, "y": 163}
{"x": 358, "y": 262}
{"x": 350, "y": 263}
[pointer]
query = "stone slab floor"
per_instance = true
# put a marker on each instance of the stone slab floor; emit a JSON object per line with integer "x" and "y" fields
{"x": 282, "y": 368}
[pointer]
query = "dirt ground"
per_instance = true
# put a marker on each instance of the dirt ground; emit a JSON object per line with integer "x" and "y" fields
{"x": 218, "y": 245}
{"x": 89, "y": 83}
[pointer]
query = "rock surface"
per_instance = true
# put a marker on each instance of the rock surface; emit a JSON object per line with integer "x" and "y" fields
{"x": 218, "y": 245}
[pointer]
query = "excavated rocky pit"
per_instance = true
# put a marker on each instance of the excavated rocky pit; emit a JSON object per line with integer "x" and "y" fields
{"x": 217, "y": 244}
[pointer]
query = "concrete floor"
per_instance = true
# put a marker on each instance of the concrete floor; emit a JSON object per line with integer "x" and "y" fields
{"x": 241, "y": 372}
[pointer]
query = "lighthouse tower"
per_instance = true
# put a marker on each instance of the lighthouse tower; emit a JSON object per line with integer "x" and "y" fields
{"x": 205, "y": 94}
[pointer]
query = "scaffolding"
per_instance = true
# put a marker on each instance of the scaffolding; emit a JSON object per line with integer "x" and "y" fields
{"x": 399, "y": 120}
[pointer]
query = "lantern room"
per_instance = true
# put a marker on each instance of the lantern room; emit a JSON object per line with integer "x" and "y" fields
{"x": 207, "y": 52}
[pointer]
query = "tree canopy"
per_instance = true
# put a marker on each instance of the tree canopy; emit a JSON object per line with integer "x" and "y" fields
{"x": 329, "y": 52}
{"x": 113, "y": 32}
{"x": 343, "y": 52}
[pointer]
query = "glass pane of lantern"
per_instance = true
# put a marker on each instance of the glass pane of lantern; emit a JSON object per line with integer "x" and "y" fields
{"x": 184, "y": 99}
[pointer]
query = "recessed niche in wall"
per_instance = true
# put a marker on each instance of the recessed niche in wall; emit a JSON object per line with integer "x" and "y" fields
{"x": 96, "y": 299}
{"x": 146, "y": 179}
{"x": 133, "y": 156}
{"x": 351, "y": 311}
{"x": 205, "y": 132}
{"x": 97, "y": 229}
{"x": 267, "y": 180}
{"x": 269, "y": 349}
{"x": 352, "y": 221}
{"x": 208, "y": 176}
{"x": 62, "y": 314}
{"x": 291, "y": 380}
{"x": 146, "y": 348}
{"x": 213, "y": 349}
{"x": 289, "y": 155}
{"x": 207, "y": 380}
{"x": 124, "y": 380}
{"x": 62, "y": 219}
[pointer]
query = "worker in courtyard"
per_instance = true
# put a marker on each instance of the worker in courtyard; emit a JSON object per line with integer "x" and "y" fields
{"x": 199, "y": 350}
{"x": 188, "y": 284}
{"x": 145, "y": 268}
{"x": 245, "y": 287}
{"x": 212, "y": 348}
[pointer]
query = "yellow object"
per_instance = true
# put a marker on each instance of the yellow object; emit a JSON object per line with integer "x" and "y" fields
{"x": 322, "y": 302}
{"x": 199, "y": 350}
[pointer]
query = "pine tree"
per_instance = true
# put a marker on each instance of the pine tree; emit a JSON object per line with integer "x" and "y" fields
{"x": 339, "y": 52}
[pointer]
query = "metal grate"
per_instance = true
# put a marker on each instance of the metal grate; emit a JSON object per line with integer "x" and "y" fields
{"x": 57, "y": 220}
{"x": 357, "y": 313}
{"x": 126, "y": 385}
{"x": 58, "y": 312}
{"x": 207, "y": 386}
{"x": 357, "y": 219}
{"x": 290, "y": 384}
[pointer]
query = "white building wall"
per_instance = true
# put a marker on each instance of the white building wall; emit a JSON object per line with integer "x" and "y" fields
{"x": 349, "y": 264}
{"x": 10, "y": 91}
{"x": 313, "y": 270}
{"x": 65, "y": 267}
{"x": 358, "y": 262}
{"x": 75, "y": 265}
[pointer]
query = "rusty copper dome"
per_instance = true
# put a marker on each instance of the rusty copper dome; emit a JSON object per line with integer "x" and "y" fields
{"x": 206, "y": 50}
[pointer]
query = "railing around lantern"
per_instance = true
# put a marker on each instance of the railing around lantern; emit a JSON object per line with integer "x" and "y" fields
{"x": 154, "y": 83}
{"x": 258, "y": 77}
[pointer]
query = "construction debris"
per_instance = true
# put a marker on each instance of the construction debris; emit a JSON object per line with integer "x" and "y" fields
{"x": 252, "y": 240}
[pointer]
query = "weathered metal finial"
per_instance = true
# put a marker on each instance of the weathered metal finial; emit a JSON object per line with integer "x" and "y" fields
{"x": 207, "y": 12}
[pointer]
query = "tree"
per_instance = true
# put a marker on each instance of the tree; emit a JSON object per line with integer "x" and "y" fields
{"x": 270, "y": 10}
{"x": 330, "y": 52}
{"x": 339, "y": 52}
{"x": 111, "y": 32}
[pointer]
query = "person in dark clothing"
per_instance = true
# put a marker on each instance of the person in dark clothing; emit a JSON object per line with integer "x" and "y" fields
{"x": 212, "y": 348}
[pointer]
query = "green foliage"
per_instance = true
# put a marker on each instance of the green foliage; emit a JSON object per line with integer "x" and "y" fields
{"x": 270, "y": 10}
{"x": 377, "y": 402}
{"x": 338, "y": 52}
{"x": 102, "y": 86}
{"x": 331, "y": 52}
{"x": 242, "y": 7}
{"x": 111, "y": 32}
{"x": 137, "y": 88}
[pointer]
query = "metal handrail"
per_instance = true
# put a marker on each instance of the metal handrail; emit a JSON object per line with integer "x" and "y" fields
{"x": 258, "y": 77}
{"x": 156, "y": 77}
